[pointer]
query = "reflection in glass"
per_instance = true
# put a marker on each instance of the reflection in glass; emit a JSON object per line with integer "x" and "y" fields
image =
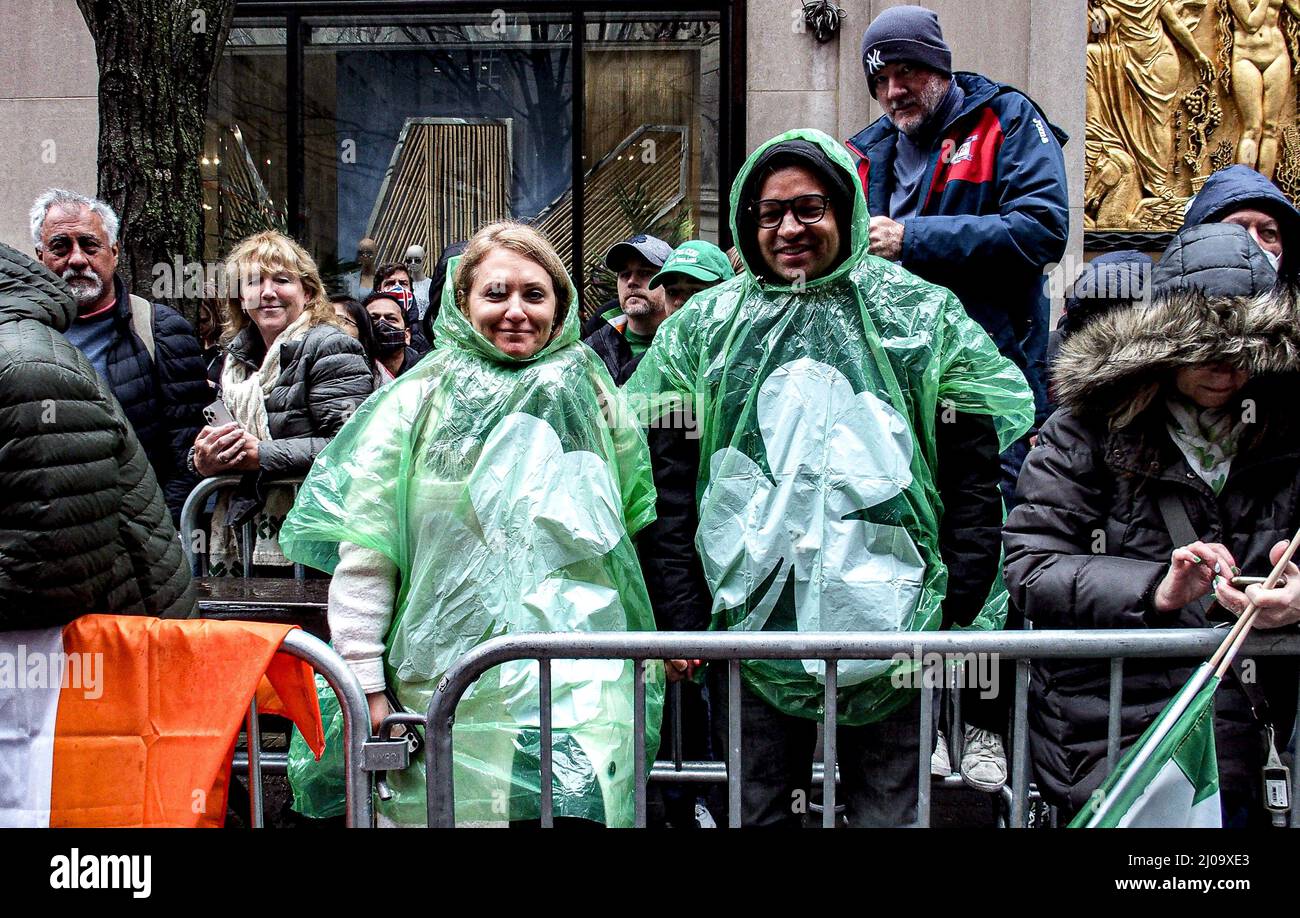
{"x": 418, "y": 132}
{"x": 650, "y": 136}
{"x": 244, "y": 161}
{"x": 418, "y": 129}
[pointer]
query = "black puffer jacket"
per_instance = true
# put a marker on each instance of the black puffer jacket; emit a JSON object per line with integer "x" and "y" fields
{"x": 1088, "y": 545}
{"x": 83, "y": 525}
{"x": 323, "y": 379}
{"x": 1239, "y": 187}
{"x": 612, "y": 348}
{"x": 670, "y": 563}
{"x": 162, "y": 397}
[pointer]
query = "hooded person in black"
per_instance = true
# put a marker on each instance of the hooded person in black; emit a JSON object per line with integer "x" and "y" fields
{"x": 1181, "y": 402}
{"x": 1239, "y": 194}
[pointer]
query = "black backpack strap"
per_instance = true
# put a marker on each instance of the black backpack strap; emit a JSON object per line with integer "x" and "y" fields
{"x": 1181, "y": 532}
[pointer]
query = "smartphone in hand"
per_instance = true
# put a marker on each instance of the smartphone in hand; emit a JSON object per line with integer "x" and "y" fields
{"x": 218, "y": 414}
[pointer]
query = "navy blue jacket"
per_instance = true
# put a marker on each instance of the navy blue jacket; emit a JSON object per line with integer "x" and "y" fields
{"x": 1240, "y": 187}
{"x": 994, "y": 217}
{"x": 163, "y": 398}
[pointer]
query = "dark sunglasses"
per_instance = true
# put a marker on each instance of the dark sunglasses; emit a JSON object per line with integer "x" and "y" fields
{"x": 807, "y": 209}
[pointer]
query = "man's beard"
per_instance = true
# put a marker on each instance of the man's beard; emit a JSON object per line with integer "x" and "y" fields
{"x": 638, "y": 306}
{"x": 928, "y": 101}
{"x": 84, "y": 294}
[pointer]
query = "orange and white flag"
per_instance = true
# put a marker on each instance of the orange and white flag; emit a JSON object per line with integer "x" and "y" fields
{"x": 126, "y": 721}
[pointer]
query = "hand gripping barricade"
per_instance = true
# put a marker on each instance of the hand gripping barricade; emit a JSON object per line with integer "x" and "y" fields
{"x": 130, "y": 721}
{"x": 922, "y": 656}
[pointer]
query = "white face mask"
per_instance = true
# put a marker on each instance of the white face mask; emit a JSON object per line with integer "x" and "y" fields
{"x": 1273, "y": 260}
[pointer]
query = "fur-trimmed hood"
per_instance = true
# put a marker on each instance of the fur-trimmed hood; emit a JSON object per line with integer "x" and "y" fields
{"x": 1103, "y": 366}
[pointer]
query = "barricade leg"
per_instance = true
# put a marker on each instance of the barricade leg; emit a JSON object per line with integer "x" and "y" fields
{"x": 956, "y": 725}
{"x": 548, "y": 765}
{"x": 356, "y": 719}
{"x": 1295, "y": 770}
{"x": 638, "y": 742}
{"x": 677, "y": 724}
{"x": 829, "y": 716}
{"x": 733, "y": 744}
{"x": 926, "y": 741}
{"x": 1020, "y": 747}
{"x": 1113, "y": 719}
{"x": 257, "y": 818}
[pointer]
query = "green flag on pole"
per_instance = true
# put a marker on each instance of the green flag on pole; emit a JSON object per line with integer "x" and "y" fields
{"x": 1170, "y": 777}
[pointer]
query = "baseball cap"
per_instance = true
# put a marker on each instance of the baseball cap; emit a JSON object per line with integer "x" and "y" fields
{"x": 651, "y": 248}
{"x": 698, "y": 259}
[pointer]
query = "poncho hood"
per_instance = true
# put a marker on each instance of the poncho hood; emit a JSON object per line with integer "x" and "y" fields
{"x": 816, "y": 408}
{"x": 453, "y": 329}
{"x": 823, "y": 154}
{"x": 506, "y": 492}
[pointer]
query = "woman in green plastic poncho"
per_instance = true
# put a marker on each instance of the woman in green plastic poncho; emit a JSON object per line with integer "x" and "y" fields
{"x": 485, "y": 492}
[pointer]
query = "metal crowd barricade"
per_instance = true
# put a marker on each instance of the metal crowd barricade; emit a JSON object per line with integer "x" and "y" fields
{"x": 356, "y": 731}
{"x": 932, "y": 649}
{"x": 194, "y": 505}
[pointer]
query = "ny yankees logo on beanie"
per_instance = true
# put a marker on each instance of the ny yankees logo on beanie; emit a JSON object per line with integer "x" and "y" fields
{"x": 904, "y": 33}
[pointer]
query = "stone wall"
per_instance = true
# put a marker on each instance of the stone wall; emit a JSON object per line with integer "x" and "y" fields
{"x": 49, "y": 108}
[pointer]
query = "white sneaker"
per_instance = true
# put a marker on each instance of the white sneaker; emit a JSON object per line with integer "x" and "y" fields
{"x": 703, "y": 818}
{"x": 940, "y": 763}
{"x": 984, "y": 761}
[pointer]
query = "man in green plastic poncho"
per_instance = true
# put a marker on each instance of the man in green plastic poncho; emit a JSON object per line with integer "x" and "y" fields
{"x": 485, "y": 492}
{"x": 851, "y": 417}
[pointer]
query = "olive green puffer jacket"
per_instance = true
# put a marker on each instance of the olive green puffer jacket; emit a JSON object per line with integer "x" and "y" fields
{"x": 83, "y": 525}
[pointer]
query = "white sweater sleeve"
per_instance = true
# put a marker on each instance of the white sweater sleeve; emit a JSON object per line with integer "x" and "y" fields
{"x": 362, "y": 595}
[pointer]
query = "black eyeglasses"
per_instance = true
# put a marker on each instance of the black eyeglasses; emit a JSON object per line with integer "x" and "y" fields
{"x": 807, "y": 209}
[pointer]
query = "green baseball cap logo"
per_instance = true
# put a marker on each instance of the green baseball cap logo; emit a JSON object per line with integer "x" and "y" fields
{"x": 698, "y": 259}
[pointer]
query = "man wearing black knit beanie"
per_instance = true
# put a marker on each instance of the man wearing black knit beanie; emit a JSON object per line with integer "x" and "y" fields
{"x": 965, "y": 182}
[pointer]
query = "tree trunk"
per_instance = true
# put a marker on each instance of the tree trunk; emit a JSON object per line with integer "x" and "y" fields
{"x": 156, "y": 63}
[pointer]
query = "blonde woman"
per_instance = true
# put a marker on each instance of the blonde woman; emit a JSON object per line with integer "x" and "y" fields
{"x": 290, "y": 378}
{"x": 486, "y": 491}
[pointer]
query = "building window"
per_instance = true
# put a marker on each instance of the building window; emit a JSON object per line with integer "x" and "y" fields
{"x": 416, "y": 128}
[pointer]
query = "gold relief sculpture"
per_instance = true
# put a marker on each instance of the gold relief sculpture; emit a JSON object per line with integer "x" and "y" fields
{"x": 1179, "y": 88}
{"x": 1262, "y": 74}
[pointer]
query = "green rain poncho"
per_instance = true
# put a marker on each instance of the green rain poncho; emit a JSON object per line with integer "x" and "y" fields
{"x": 816, "y": 410}
{"x": 507, "y": 503}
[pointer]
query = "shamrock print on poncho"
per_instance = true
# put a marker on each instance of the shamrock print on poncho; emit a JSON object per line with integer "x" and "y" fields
{"x": 535, "y": 510}
{"x": 832, "y": 454}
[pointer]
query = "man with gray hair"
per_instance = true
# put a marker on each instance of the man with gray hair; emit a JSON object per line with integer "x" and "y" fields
{"x": 146, "y": 352}
{"x": 966, "y": 186}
